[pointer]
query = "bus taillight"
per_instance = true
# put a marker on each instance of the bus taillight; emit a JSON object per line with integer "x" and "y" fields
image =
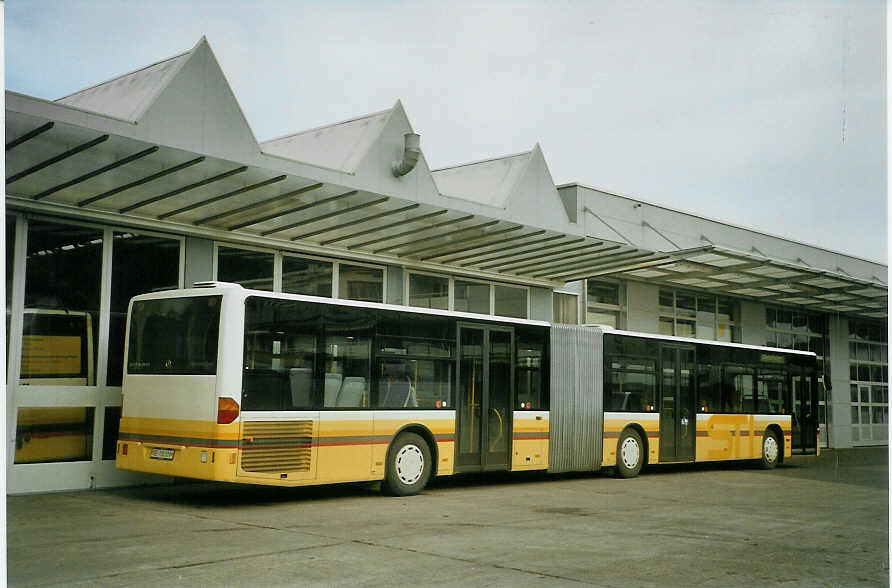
{"x": 227, "y": 410}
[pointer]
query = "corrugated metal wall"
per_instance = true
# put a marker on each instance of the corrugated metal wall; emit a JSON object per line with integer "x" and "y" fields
{"x": 577, "y": 411}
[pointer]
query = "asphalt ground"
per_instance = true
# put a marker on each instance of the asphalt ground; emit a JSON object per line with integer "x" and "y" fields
{"x": 811, "y": 522}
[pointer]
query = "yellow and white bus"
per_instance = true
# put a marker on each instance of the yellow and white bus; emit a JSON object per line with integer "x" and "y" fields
{"x": 224, "y": 383}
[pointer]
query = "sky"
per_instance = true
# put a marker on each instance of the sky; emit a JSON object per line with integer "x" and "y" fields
{"x": 767, "y": 115}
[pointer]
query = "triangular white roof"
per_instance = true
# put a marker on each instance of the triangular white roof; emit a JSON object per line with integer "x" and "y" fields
{"x": 489, "y": 182}
{"x": 129, "y": 95}
{"x": 339, "y": 146}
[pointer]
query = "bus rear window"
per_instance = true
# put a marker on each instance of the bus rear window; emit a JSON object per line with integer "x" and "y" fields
{"x": 174, "y": 336}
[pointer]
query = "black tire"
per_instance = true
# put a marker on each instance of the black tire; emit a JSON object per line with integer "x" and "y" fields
{"x": 629, "y": 454}
{"x": 771, "y": 450}
{"x": 408, "y": 466}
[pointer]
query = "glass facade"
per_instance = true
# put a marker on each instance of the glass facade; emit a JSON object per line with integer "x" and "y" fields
{"x": 62, "y": 288}
{"x": 140, "y": 264}
{"x": 311, "y": 277}
{"x": 251, "y": 269}
{"x": 869, "y": 381}
{"x": 604, "y": 303}
{"x": 428, "y": 291}
{"x": 700, "y": 316}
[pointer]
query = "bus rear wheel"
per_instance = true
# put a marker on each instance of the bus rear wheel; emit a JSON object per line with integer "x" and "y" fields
{"x": 408, "y": 466}
{"x": 770, "y": 450}
{"x": 629, "y": 454}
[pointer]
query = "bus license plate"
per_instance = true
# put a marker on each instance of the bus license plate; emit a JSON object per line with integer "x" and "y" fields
{"x": 161, "y": 453}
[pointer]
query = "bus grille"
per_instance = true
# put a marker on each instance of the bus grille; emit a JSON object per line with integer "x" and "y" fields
{"x": 277, "y": 446}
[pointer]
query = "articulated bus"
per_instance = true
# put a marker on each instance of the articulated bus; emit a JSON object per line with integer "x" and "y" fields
{"x": 224, "y": 383}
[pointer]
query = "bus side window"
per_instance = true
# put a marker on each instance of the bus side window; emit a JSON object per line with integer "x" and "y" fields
{"x": 531, "y": 369}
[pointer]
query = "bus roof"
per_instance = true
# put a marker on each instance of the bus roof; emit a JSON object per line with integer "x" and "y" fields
{"x": 211, "y": 288}
{"x": 610, "y": 330}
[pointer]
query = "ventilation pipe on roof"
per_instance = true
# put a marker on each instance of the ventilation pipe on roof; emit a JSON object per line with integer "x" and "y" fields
{"x": 411, "y": 153}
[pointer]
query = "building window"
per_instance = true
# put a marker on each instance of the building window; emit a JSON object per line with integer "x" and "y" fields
{"x": 311, "y": 277}
{"x": 251, "y": 269}
{"x": 140, "y": 264}
{"x": 604, "y": 303}
{"x": 566, "y": 308}
{"x": 510, "y": 301}
{"x": 61, "y": 322}
{"x": 869, "y": 381}
{"x": 700, "y": 316}
{"x": 472, "y": 297}
{"x": 356, "y": 282}
{"x": 428, "y": 291}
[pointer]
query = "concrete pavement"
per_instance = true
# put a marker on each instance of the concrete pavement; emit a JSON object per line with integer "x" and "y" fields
{"x": 812, "y": 522}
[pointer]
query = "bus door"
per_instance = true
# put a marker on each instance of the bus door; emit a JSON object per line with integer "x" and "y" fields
{"x": 485, "y": 385}
{"x": 678, "y": 419}
{"x": 804, "y": 411}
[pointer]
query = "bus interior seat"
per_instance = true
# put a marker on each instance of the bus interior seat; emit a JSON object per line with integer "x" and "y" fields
{"x": 332, "y": 387}
{"x": 301, "y": 383}
{"x": 352, "y": 392}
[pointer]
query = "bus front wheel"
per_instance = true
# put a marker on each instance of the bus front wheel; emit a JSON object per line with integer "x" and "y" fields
{"x": 770, "y": 450}
{"x": 629, "y": 454}
{"x": 408, "y": 465}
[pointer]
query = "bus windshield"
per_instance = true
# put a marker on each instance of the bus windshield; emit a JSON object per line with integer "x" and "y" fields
{"x": 174, "y": 336}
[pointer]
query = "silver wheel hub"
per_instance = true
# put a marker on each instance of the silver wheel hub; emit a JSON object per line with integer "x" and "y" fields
{"x": 409, "y": 464}
{"x": 630, "y": 452}
{"x": 769, "y": 448}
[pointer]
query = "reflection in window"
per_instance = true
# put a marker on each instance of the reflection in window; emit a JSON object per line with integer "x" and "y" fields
{"x": 251, "y": 269}
{"x": 510, "y": 301}
{"x": 471, "y": 297}
{"x": 360, "y": 283}
{"x": 140, "y": 264}
{"x": 174, "y": 336}
{"x": 61, "y": 322}
{"x": 310, "y": 277}
{"x": 428, "y": 291}
{"x": 54, "y": 434}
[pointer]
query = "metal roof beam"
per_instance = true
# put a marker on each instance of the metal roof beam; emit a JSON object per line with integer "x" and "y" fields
{"x": 384, "y": 227}
{"x": 29, "y": 135}
{"x": 97, "y": 172}
{"x": 56, "y": 159}
{"x": 437, "y": 237}
{"x": 578, "y": 266}
{"x": 289, "y": 194}
{"x": 358, "y": 221}
{"x": 242, "y": 190}
{"x": 281, "y": 213}
{"x": 413, "y": 231}
{"x": 186, "y": 188}
{"x": 611, "y": 269}
{"x": 506, "y": 264}
{"x": 448, "y": 256}
{"x": 141, "y": 181}
{"x": 493, "y": 253}
{"x": 576, "y": 261}
{"x": 482, "y": 238}
{"x": 314, "y": 219}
